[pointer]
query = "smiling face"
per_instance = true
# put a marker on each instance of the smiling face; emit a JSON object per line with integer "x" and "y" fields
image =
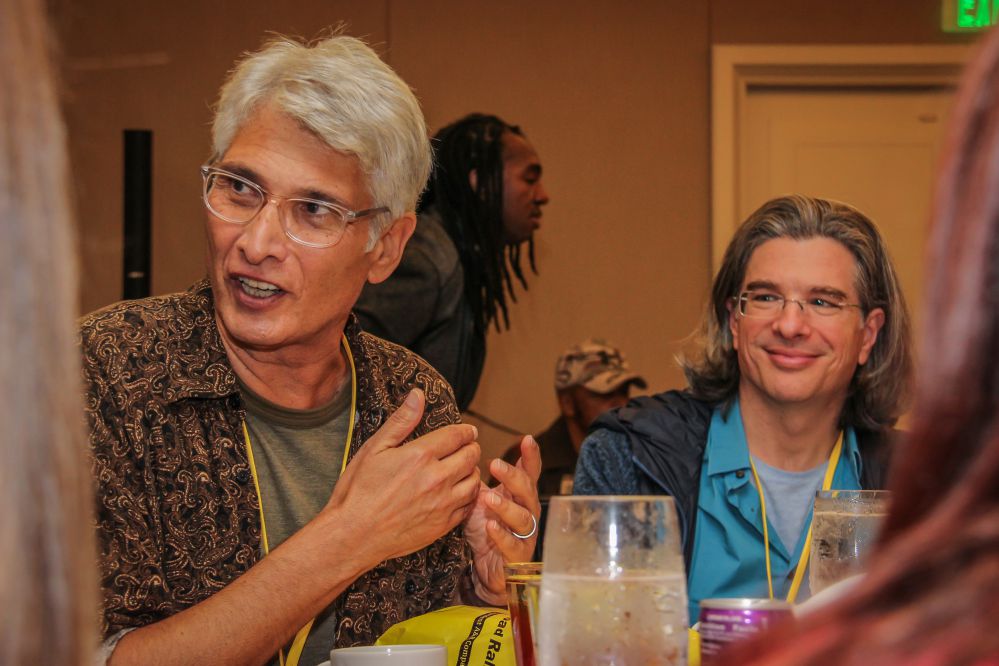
{"x": 798, "y": 358}
{"x": 271, "y": 293}
{"x": 523, "y": 192}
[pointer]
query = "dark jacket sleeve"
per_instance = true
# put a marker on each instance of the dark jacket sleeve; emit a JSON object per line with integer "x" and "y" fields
{"x": 403, "y": 307}
{"x": 605, "y": 466}
{"x": 420, "y": 306}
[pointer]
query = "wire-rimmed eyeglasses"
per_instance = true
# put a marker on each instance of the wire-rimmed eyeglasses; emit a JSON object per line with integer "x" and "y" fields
{"x": 768, "y": 304}
{"x": 311, "y": 222}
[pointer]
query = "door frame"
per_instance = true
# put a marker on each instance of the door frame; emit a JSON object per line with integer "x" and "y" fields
{"x": 735, "y": 68}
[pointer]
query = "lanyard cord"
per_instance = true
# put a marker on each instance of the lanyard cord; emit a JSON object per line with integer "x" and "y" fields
{"x": 298, "y": 644}
{"x": 799, "y": 572}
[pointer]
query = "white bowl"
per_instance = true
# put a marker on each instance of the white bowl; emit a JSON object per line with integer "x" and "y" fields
{"x": 390, "y": 655}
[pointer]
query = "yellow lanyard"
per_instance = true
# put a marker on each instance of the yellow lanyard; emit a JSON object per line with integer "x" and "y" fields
{"x": 799, "y": 572}
{"x": 298, "y": 644}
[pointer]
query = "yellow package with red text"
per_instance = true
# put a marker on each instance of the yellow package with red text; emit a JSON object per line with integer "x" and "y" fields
{"x": 473, "y": 636}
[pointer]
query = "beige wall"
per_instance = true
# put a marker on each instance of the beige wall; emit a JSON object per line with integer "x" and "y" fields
{"x": 615, "y": 97}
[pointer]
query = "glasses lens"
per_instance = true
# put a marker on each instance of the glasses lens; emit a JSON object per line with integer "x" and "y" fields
{"x": 760, "y": 304}
{"x": 314, "y": 222}
{"x": 824, "y": 308}
{"x": 232, "y": 198}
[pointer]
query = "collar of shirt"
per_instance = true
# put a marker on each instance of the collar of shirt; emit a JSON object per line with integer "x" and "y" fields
{"x": 727, "y": 451}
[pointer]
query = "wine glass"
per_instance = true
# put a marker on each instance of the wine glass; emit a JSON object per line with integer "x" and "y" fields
{"x": 614, "y": 590}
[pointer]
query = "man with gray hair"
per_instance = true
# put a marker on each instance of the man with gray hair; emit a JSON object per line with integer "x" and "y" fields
{"x": 271, "y": 480}
{"x": 802, "y": 373}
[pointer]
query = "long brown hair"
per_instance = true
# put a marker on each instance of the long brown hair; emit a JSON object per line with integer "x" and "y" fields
{"x": 47, "y": 556}
{"x": 877, "y": 391}
{"x": 932, "y": 592}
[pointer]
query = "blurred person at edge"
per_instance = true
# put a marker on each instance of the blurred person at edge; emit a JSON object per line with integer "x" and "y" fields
{"x": 802, "y": 372}
{"x": 480, "y": 211}
{"x": 590, "y": 378}
{"x": 222, "y": 416}
{"x": 931, "y": 593}
{"x": 48, "y": 577}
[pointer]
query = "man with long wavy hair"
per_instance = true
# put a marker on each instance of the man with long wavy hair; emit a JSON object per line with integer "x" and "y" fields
{"x": 802, "y": 372}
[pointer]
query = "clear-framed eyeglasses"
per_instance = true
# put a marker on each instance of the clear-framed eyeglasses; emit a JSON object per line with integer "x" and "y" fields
{"x": 310, "y": 222}
{"x": 768, "y": 305}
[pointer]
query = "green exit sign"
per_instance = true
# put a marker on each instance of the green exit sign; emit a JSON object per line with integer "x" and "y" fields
{"x": 969, "y": 15}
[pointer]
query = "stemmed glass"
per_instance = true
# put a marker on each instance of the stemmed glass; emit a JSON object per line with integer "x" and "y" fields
{"x": 613, "y": 590}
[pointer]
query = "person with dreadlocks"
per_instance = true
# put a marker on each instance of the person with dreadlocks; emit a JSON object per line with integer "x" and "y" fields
{"x": 479, "y": 213}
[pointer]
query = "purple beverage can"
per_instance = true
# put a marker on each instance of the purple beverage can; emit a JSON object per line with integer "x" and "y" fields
{"x": 723, "y": 621}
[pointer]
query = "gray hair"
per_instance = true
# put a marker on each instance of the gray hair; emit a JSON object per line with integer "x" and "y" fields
{"x": 879, "y": 388}
{"x": 340, "y": 90}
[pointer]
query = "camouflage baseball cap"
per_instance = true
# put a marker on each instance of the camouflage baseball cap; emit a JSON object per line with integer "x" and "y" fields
{"x": 596, "y": 365}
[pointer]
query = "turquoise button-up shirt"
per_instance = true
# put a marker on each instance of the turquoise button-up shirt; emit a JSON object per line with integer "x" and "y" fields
{"x": 728, "y": 558}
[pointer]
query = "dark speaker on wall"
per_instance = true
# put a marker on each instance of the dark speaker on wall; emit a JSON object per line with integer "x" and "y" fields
{"x": 138, "y": 213}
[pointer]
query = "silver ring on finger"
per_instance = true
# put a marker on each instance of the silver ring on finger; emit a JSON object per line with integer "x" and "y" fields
{"x": 534, "y": 528}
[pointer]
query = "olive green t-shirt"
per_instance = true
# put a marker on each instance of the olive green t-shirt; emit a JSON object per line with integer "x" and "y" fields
{"x": 298, "y": 455}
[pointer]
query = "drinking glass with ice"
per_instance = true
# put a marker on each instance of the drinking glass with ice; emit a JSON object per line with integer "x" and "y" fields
{"x": 614, "y": 590}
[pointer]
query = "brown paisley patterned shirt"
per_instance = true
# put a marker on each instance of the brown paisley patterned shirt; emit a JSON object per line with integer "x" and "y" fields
{"x": 177, "y": 513}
